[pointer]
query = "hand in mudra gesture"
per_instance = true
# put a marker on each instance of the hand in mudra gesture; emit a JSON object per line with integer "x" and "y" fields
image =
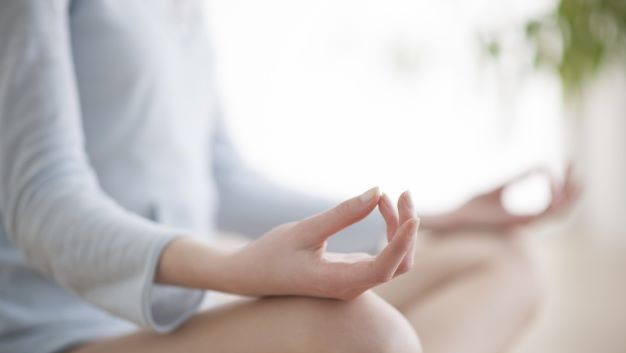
{"x": 292, "y": 259}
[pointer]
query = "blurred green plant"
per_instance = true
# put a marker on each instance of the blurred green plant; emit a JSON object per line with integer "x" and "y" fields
{"x": 591, "y": 33}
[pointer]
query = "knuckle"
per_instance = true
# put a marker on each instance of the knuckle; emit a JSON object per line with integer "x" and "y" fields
{"x": 297, "y": 227}
{"x": 305, "y": 226}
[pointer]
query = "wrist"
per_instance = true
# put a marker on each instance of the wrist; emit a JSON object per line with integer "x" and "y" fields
{"x": 193, "y": 263}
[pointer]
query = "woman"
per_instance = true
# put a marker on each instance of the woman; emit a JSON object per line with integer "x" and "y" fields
{"x": 114, "y": 168}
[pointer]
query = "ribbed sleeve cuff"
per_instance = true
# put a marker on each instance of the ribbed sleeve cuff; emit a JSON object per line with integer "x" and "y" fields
{"x": 165, "y": 307}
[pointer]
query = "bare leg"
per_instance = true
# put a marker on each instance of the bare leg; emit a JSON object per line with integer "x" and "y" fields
{"x": 366, "y": 324}
{"x": 468, "y": 293}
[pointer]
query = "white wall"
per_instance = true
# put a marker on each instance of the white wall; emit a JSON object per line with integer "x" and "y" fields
{"x": 336, "y": 96}
{"x": 602, "y": 152}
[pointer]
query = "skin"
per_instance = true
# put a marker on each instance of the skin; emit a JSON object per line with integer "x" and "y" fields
{"x": 280, "y": 324}
{"x": 291, "y": 259}
{"x": 301, "y": 283}
{"x": 462, "y": 293}
{"x": 475, "y": 290}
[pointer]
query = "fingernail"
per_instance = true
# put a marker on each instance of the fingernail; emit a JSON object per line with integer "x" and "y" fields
{"x": 369, "y": 195}
{"x": 409, "y": 201}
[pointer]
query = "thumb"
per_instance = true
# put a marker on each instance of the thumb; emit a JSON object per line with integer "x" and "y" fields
{"x": 320, "y": 227}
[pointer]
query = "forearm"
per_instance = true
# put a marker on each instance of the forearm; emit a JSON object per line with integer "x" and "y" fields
{"x": 194, "y": 263}
{"x": 290, "y": 259}
{"x": 53, "y": 209}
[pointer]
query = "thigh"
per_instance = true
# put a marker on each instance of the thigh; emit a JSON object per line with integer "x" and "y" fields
{"x": 441, "y": 259}
{"x": 273, "y": 325}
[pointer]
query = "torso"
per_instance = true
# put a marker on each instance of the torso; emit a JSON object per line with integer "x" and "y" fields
{"x": 144, "y": 76}
{"x": 143, "y": 72}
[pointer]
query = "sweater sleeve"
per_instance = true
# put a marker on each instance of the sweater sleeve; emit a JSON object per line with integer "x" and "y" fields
{"x": 251, "y": 204}
{"x": 51, "y": 205}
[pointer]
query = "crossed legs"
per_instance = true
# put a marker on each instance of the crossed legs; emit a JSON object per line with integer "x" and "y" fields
{"x": 276, "y": 325}
{"x": 468, "y": 293}
{"x": 464, "y": 294}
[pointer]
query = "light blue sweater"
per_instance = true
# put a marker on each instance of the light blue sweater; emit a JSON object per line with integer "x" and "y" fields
{"x": 111, "y": 145}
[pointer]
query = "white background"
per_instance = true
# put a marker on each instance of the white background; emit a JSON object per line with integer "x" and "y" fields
{"x": 334, "y": 96}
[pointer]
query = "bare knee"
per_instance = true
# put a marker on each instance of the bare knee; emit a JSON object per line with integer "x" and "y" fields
{"x": 365, "y": 324}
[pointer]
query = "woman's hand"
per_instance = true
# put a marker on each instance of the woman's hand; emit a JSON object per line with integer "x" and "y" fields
{"x": 292, "y": 259}
{"x": 487, "y": 212}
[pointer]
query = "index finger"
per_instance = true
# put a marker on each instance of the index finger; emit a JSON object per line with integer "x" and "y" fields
{"x": 320, "y": 227}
